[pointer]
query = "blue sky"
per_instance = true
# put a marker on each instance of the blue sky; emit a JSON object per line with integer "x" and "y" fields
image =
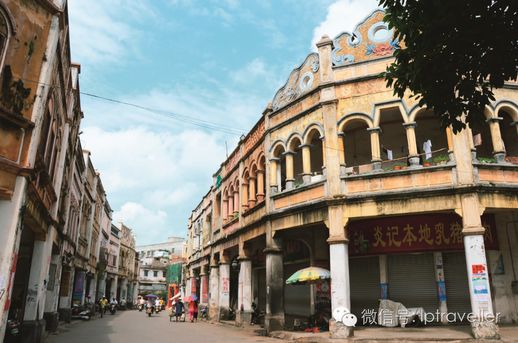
{"x": 219, "y": 61}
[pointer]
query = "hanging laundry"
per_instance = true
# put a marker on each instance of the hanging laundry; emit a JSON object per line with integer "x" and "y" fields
{"x": 427, "y": 148}
{"x": 389, "y": 154}
{"x": 477, "y": 139}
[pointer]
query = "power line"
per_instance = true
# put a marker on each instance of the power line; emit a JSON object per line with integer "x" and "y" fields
{"x": 175, "y": 116}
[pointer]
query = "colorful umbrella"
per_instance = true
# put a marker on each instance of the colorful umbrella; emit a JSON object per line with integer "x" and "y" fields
{"x": 308, "y": 275}
{"x": 191, "y": 298}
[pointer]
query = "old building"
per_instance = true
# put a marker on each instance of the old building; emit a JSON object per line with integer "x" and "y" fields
{"x": 52, "y": 203}
{"x": 128, "y": 275}
{"x": 341, "y": 174}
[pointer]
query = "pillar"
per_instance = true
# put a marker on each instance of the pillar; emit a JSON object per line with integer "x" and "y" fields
{"x": 252, "y": 191}
{"x": 230, "y": 206}
{"x": 483, "y": 323}
{"x": 306, "y": 163}
{"x": 341, "y": 152}
{"x": 496, "y": 138}
{"x": 244, "y": 291}
{"x": 339, "y": 263}
{"x": 214, "y": 290}
{"x": 224, "y": 288}
{"x": 375, "y": 147}
{"x": 260, "y": 185}
{"x": 204, "y": 284}
{"x": 33, "y": 323}
{"x": 236, "y": 201}
{"x": 413, "y": 156}
{"x": 114, "y": 285}
{"x": 274, "y": 186}
{"x": 290, "y": 179}
{"x": 102, "y": 286}
{"x": 244, "y": 196}
{"x": 441, "y": 285}
{"x": 274, "y": 319}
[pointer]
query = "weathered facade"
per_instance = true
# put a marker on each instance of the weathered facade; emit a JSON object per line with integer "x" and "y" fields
{"x": 341, "y": 174}
{"x": 128, "y": 271}
{"x": 52, "y": 203}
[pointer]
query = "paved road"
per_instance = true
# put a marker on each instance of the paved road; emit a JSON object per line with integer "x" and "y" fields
{"x": 134, "y": 326}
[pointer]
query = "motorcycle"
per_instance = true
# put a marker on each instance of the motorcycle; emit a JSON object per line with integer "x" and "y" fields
{"x": 79, "y": 312}
{"x": 149, "y": 310}
{"x": 140, "y": 307}
{"x": 158, "y": 309}
{"x": 113, "y": 308}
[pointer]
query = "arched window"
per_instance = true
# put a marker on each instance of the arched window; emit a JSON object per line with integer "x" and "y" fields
{"x": 261, "y": 182}
{"x": 296, "y": 151}
{"x": 5, "y": 33}
{"x": 431, "y": 139}
{"x": 509, "y": 132}
{"x": 357, "y": 146}
{"x": 314, "y": 140}
{"x": 278, "y": 173}
{"x": 482, "y": 139}
{"x": 393, "y": 139}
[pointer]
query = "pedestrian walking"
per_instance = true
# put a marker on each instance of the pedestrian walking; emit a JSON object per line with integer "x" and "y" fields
{"x": 103, "y": 303}
{"x": 178, "y": 308}
{"x": 193, "y": 311}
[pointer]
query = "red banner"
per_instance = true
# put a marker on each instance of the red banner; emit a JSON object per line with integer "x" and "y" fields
{"x": 436, "y": 232}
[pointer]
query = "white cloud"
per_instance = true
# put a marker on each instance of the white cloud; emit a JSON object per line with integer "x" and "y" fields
{"x": 343, "y": 16}
{"x": 104, "y": 31}
{"x": 147, "y": 224}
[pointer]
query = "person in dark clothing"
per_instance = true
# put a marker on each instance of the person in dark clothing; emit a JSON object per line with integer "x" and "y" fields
{"x": 178, "y": 309}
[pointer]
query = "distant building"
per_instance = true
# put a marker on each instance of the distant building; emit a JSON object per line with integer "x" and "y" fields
{"x": 154, "y": 261}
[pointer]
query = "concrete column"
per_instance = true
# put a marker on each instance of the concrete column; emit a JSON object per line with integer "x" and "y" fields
{"x": 204, "y": 283}
{"x": 214, "y": 291}
{"x": 188, "y": 286}
{"x": 413, "y": 156}
{"x": 339, "y": 263}
{"x": 383, "y": 262}
{"x": 341, "y": 152}
{"x": 10, "y": 238}
{"x": 114, "y": 285}
{"x": 441, "y": 286}
{"x": 252, "y": 190}
{"x": 260, "y": 185}
{"x": 290, "y": 179}
{"x": 245, "y": 291}
{"x": 375, "y": 147}
{"x": 483, "y": 324}
{"x": 244, "y": 196}
{"x": 224, "y": 289}
{"x": 65, "y": 301}
{"x": 496, "y": 138}
{"x": 274, "y": 319}
{"x": 274, "y": 186}
{"x": 37, "y": 284}
{"x": 236, "y": 201}
{"x": 102, "y": 286}
{"x": 306, "y": 163}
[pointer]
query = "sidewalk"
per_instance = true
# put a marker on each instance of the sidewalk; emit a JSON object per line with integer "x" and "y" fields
{"x": 509, "y": 333}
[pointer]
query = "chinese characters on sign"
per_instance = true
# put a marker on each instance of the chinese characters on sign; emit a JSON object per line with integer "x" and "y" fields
{"x": 437, "y": 232}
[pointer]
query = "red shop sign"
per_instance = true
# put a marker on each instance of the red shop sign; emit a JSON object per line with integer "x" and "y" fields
{"x": 437, "y": 232}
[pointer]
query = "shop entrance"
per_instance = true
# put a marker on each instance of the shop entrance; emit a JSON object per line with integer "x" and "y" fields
{"x": 412, "y": 281}
{"x": 457, "y": 288}
{"x": 365, "y": 285}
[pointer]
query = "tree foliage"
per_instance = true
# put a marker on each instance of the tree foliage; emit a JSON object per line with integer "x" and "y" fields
{"x": 453, "y": 53}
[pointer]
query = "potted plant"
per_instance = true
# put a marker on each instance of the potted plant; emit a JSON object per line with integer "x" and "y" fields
{"x": 440, "y": 160}
{"x": 427, "y": 163}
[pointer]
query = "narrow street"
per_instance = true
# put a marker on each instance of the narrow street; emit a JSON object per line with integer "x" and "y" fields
{"x": 134, "y": 326}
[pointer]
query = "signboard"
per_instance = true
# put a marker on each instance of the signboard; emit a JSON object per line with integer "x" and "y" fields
{"x": 436, "y": 232}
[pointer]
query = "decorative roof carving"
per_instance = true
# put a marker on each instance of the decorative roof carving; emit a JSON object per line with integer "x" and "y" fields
{"x": 370, "y": 39}
{"x": 302, "y": 80}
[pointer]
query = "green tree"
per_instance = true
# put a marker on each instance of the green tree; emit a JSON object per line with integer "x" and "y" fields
{"x": 453, "y": 53}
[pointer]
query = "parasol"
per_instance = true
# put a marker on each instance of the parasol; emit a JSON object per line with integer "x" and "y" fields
{"x": 308, "y": 275}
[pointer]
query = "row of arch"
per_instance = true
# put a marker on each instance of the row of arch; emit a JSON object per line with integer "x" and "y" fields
{"x": 297, "y": 160}
{"x": 394, "y": 136}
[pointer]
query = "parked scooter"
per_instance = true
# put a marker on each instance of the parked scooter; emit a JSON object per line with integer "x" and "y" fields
{"x": 204, "y": 313}
{"x": 79, "y": 312}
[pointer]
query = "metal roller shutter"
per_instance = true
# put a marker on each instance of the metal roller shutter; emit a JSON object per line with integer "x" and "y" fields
{"x": 412, "y": 281}
{"x": 365, "y": 284}
{"x": 456, "y": 280}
